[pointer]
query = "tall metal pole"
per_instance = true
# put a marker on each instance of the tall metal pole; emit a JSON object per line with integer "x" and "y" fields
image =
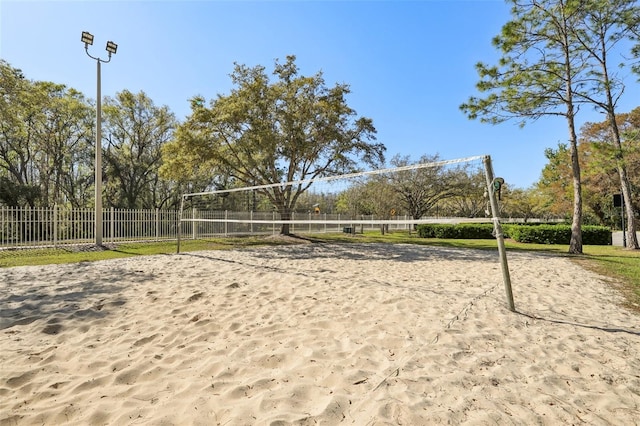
{"x": 98, "y": 161}
{"x": 498, "y": 230}
{"x": 87, "y": 39}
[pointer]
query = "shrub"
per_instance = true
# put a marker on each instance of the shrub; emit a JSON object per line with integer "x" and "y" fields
{"x": 526, "y": 233}
{"x": 559, "y": 234}
{"x": 460, "y": 231}
{"x": 596, "y": 235}
{"x": 541, "y": 234}
{"x": 476, "y": 231}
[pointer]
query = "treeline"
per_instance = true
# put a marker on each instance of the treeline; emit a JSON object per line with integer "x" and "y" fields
{"x": 599, "y": 160}
{"x": 47, "y": 143}
{"x": 557, "y": 57}
{"x": 47, "y": 137}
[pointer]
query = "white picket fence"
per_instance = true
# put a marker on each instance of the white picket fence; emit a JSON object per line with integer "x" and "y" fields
{"x": 52, "y": 227}
{"x": 20, "y": 227}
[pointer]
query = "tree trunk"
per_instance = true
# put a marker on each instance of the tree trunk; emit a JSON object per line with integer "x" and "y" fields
{"x": 575, "y": 245}
{"x": 632, "y": 237}
{"x": 285, "y": 214}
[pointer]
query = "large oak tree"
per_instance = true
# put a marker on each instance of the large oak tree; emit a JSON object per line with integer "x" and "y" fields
{"x": 136, "y": 129}
{"x": 266, "y": 132}
{"x": 421, "y": 189}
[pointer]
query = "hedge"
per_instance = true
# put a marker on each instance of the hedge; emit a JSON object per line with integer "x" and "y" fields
{"x": 557, "y": 234}
{"x": 465, "y": 231}
{"x": 539, "y": 234}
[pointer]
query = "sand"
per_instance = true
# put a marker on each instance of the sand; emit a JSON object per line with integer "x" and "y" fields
{"x": 316, "y": 334}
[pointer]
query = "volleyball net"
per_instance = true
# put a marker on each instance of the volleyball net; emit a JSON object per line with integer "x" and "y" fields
{"x": 449, "y": 191}
{"x": 400, "y": 198}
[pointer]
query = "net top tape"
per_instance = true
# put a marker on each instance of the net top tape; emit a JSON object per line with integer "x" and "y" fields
{"x": 344, "y": 176}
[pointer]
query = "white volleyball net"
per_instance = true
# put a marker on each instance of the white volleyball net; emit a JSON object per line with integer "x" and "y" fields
{"x": 400, "y": 198}
{"x": 448, "y": 191}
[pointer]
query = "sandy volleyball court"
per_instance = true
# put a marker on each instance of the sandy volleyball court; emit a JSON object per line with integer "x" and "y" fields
{"x": 316, "y": 334}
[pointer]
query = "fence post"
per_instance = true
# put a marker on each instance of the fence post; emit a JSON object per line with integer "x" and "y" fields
{"x": 179, "y": 224}
{"x": 157, "y": 225}
{"x": 193, "y": 223}
{"x": 55, "y": 226}
{"x": 112, "y": 221}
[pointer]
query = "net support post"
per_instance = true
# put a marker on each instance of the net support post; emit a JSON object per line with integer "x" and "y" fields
{"x": 495, "y": 214}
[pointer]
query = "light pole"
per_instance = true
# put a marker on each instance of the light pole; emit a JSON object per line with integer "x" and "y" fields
{"x": 87, "y": 39}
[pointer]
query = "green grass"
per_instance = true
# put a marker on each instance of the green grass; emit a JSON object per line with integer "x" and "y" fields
{"x": 45, "y": 256}
{"x": 622, "y": 266}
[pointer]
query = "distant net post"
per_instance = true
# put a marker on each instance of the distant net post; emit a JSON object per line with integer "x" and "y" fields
{"x": 179, "y": 223}
{"x": 493, "y": 185}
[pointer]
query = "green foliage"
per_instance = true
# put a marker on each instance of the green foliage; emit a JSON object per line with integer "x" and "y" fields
{"x": 601, "y": 178}
{"x": 636, "y": 54}
{"x": 419, "y": 190}
{"x": 295, "y": 128}
{"x": 526, "y": 233}
{"x": 468, "y": 200}
{"x": 554, "y": 58}
{"x": 43, "y": 137}
{"x": 459, "y": 231}
{"x": 16, "y": 195}
{"x": 541, "y": 73}
{"x": 47, "y": 146}
{"x": 557, "y": 234}
{"x": 137, "y": 130}
{"x": 596, "y": 235}
{"x": 535, "y": 70}
{"x": 375, "y": 196}
{"x": 434, "y": 188}
{"x": 522, "y": 204}
{"x": 542, "y": 234}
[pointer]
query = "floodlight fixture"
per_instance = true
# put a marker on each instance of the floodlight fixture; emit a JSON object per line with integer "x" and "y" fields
{"x": 111, "y": 47}
{"x": 87, "y": 38}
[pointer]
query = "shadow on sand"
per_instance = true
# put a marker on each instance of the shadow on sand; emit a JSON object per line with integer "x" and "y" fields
{"x": 78, "y": 286}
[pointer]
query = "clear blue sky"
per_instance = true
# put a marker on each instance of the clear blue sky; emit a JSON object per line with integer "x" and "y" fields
{"x": 410, "y": 64}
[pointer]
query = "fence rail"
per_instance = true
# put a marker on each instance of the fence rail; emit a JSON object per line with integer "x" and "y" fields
{"x": 52, "y": 227}
{"x": 56, "y": 226}
{"x": 24, "y": 227}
